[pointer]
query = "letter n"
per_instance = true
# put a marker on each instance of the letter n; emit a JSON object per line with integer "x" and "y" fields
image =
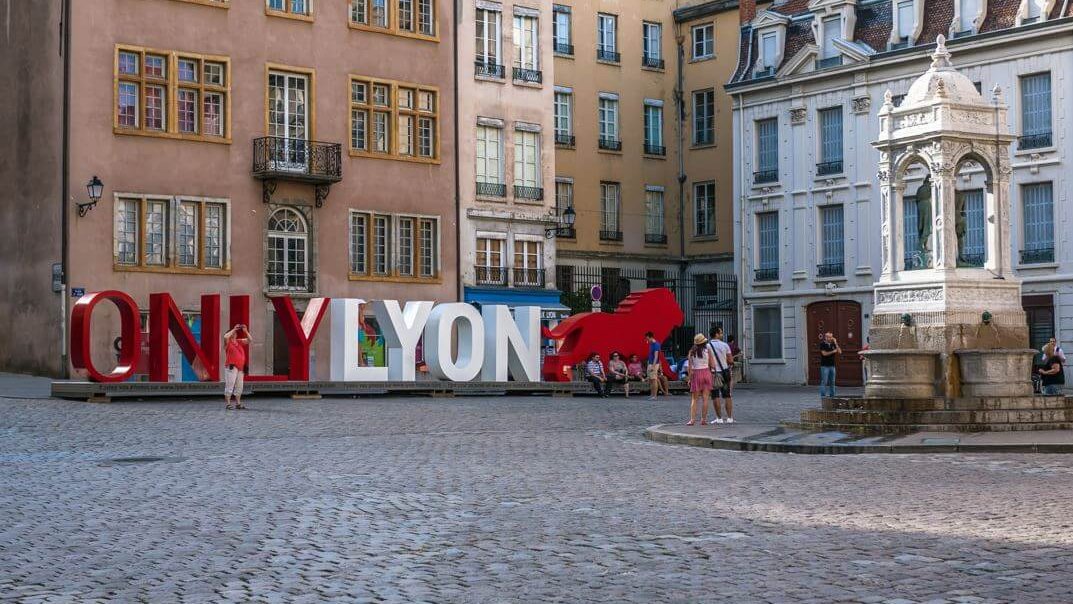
{"x": 165, "y": 318}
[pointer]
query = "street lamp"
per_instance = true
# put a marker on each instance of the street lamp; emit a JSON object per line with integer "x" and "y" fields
{"x": 94, "y": 188}
{"x": 566, "y": 224}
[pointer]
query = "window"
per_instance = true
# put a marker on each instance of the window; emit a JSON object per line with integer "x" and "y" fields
{"x": 414, "y": 128}
{"x": 1038, "y": 208}
{"x": 969, "y": 208}
{"x": 198, "y": 89}
{"x": 489, "y": 261}
{"x": 1035, "y": 9}
{"x": 564, "y": 128}
{"x": 489, "y": 155}
{"x": 606, "y": 41}
{"x": 832, "y": 241}
{"x": 703, "y": 41}
{"x": 528, "y": 263}
{"x": 832, "y": 30}
{"x": 653, "y": 116}
{"x": 769, "y": 48}
{"x": 564, "y": 198}
{"x": 527, "y": 165}
{"x": 704, "y": 117}
{"x": 526, "y": 53}
{"x": 428, "y": 259}
{"x": 767, "y": 151}
{"x": 488, "y": 42}
{"x": 967, "y": 13}
{"x": 393, "y": 245}
{"x": 609, "y": 211}
{"x": 288, "y": 251}
{"x": 830, "y": 141}
{"x": 906, "y": 19}
{"x": 767, "y": 332}
{"x": 561, "y": 30}
{"x": 289, "y": 8}
{"x": 145, "y": 232}
{"x": 608, "y": 121}
{"x": 704, "y": 209}
{"x": 768, "y": 249}
{"x": 359, "y": 243}
{"x": 654, "y": 227}
{"x": 411, "y": 18}
{"x": 288, "y": 116}
{"x": 1035, "y": 111}
{"x": 652, "y": 38}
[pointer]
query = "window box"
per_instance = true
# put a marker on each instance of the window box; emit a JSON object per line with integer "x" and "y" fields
{"x": 533, "y": 76}
{"x": 766, "y": 274}
{"x": 610, "y": 235}
{"x": 610, "y": 144}
{"x": 521, "y": 192}
{"x": 835, "y": 269}
{"x": 1035, "y": 141}
{"x": 564, "y": 140}
{"x": 652, "y": 62}
{"x": 489, "y": 70}
{"x": 655, "y": 150}
{"x": 765, "y": 176}
{"x": 655, "y": 239}
{"x": 608, "y": 56}
{"x": 1037, "y": 256}
{"x": 491, "y": 189}
{"x": 829, "y": 167}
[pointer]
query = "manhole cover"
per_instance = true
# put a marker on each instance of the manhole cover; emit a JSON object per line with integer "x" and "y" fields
{"x": 126, "y": 461}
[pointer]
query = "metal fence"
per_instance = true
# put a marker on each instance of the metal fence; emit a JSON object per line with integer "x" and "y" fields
{"x": 707, "y": 299}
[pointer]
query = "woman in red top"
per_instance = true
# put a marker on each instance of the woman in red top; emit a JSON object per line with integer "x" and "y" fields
{"x": 235, "y": 367}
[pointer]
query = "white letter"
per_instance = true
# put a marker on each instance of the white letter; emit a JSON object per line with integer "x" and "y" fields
{"x": 511, "y": 342}
{"x": 470, "y": 342}
{"x": 346, "y": 354}
{"x": 402, "y": 329}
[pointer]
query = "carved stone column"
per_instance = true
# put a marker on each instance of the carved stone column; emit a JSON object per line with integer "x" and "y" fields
{"x": 944, "y": 232}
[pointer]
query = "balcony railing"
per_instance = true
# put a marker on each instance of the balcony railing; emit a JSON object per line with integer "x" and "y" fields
{"x": 971, "y": 260}
{"x": 610, "y": 144}
{"x": 829, "y": 167}
{"x": 656, "y": 238}
{"x": 608, "y": 55}
{"x": 764, "y": 176}
{"x": 1037, "y": 256}
{"x": 488, "y": 70}
{"x": 491, "y": 189}
{"x": 491, "y": 275}
{"x": 829, "y": 62}
{"x": 276, "y": 157}
{"x": 529, "y": 277}
{"x": 610, "y": 235}
{"x": 652, "y": 62}
{"x": 830, "y": 269}
{"x": 562, "y": 48}
{"x": 655, "y": 149}
{"x": 533, "y": 76}
{"x": 521, "y": 192}
{"x": 766, "y": 274}
{"x": 1035, "y": 141}
{"x": 564, "y": 140}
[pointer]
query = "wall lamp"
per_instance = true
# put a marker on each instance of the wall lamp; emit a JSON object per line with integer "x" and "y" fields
{"x": 566, "y": 224}
{"x": 94, "y": 188}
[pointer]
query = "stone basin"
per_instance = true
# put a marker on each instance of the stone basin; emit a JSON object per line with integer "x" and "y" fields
{"x": 908, "y": 373}
{"x": 996, "y": 372}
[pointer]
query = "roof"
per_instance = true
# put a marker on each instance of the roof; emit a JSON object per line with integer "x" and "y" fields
{"x": 873, "y": 27}
{"x": 703, "y": 9}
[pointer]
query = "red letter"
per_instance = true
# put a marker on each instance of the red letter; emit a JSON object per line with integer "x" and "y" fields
{"x": 129, "y": 330}
{"x": 165, "y": 318}
{"x": 299, "y": 335}
{"x": 240, "y": 314}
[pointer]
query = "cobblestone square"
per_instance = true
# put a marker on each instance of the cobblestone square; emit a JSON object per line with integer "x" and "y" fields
{"x": 502, "y": 500}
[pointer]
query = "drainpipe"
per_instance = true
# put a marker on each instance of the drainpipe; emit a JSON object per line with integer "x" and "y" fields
{"x": 458, "y": 165}
{"x": 679, "y": 109}
{"x": 741, "y": 217}
{"x": 65, "y": 183}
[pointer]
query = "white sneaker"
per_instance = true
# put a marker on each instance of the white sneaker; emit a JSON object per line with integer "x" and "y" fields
{"x": 717, "y": 420}
{"x": 730, "y": 420}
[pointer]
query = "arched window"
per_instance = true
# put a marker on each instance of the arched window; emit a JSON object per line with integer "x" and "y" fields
{"x": 288, "y": 251}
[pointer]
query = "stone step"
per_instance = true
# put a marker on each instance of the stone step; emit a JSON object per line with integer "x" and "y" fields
{"x": 885, "y": 418}
{"x": 1012, "y": 403}
{"x": 939, "y": 404}
{"x": 884, "y": 404}
{"x": 894, "y": 429}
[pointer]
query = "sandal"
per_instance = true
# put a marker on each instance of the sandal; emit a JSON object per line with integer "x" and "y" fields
{"x": 229, "y": 407}
{"x": 690, "y": 423}
{"x": 240, "y": 407}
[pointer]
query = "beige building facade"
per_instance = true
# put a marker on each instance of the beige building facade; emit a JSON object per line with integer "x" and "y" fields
{"x": 262, "y": 147}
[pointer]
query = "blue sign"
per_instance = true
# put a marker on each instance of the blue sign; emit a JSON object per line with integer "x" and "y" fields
{"x": 78, "y": 292}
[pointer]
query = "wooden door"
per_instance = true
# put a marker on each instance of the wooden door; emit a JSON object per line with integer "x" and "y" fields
{"x": 843, "y": 319}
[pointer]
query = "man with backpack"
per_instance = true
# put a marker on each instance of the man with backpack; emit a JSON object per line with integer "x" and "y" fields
{"x": 722, "y": 376}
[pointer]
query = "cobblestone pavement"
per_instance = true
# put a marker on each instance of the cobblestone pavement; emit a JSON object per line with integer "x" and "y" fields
{"x": 502, "y": 500}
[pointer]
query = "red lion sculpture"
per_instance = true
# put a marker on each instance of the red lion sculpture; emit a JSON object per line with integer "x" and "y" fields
{"x": 624, "y": 330}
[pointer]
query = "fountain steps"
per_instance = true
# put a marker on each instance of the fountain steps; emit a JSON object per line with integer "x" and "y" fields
{"x": 941, "y": 404}
{"x": 894, "y": 429}
{"x": 883, "y": 416}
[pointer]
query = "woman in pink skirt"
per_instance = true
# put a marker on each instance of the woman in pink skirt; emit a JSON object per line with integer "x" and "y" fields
{"x": 700, "y": 379}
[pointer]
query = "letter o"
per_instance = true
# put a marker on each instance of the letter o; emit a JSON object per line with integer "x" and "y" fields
{"x": 441, "y": 363}
{"x": 129, "y": 329}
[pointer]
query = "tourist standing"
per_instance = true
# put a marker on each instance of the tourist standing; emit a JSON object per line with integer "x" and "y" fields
{"x": 594, "y": 372}
{"x": 722, "y": 378}
{"x": 829, "y": 351}
{"x": 1058, "y": 352}
{"x": 617, "y": 373}
{"x": 235, "y": 343}
{"x": 700, "y": 379}
{"x": 1052, "y": 374}
{"x": 655, "y": 367}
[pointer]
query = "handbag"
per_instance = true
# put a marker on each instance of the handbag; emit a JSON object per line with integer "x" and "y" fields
{"x": 721, "y": 377}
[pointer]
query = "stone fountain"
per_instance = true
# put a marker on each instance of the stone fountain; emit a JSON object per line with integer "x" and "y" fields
{"x": 949, "y": 337}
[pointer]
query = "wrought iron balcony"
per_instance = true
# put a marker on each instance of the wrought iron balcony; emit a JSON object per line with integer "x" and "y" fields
{"x": 766, "y": 274}
{"x": 1037, "y": 255}
{"x": 765, "y": 176}
{"x": 533, "y": 76}
{"x": 521, "y": 192}
{"x": 1035, "y": 141}
{"x": 610, "y": 144}
{"x": 529, "y": 277}
{"x": 491, "y": 275}
{"x": 829, "y": 167}
{"x": 971, "y": 260}
{"x": 488, "y": 70}
{"x": 603, "y": 54}
{"x": 562, "y": 48}
{"x": 564, "y": 140}
{"x": 610, "y": 235}
{"x": 652, "y": 62}
{"x": 279, "y": 158}
{"x": 491, "y": 189}
{"x": 656, "y": 238}
{"x": 831, "y": 269}
{"x": 655, "y": 150}
{"x": 829, "y": 62}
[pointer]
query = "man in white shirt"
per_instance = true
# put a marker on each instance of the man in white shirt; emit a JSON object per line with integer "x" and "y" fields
{"x": 724, "y": 362}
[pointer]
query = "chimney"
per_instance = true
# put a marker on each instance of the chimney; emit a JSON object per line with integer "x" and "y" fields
{"x": 746, "y": 10}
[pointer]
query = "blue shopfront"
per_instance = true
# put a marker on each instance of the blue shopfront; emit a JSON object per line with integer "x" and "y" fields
{"x": 551, "y": 309}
